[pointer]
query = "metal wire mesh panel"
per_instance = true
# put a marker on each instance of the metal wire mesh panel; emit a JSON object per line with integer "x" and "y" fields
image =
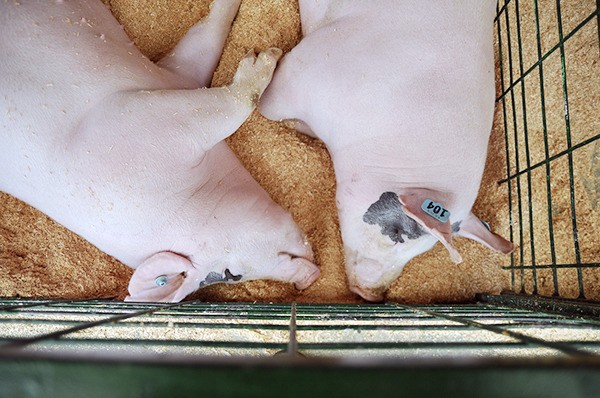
{"x": 548, "y": 71}
{"x": 181, "y": 329}
{"x": 250, "y": 329}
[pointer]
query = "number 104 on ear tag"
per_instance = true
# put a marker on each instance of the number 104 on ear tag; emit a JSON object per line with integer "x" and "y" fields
{"x": 435, "y": 210}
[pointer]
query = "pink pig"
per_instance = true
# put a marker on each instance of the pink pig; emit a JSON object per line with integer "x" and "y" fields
{"x": 402, "y": 94}
{"x": 130, "y": 154}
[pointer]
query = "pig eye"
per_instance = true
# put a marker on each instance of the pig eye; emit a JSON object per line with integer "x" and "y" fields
{"x": 161, "y": 280}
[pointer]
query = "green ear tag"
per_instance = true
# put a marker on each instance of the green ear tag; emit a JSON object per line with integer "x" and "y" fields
{"x": 436, "y": 210}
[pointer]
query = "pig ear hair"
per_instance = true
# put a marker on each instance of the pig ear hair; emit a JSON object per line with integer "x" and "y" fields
{"x": 473, "y": 228}
{"x": 412, "y": 201}
{"x": 164, "y": 276}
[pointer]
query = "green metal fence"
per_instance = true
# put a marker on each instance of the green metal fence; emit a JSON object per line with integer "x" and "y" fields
{"x": 547, "y": 133}
{"x": 501, "y": 345}
{"x": 492, "y": 328}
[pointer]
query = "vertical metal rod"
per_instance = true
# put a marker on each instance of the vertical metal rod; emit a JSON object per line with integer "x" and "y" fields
{"x": 516, "y": 140}
{"x": 292, "y": 346}
{"x": 598, "y": 21}
{"x": 546, "y": 152}
{"x": 570, "y": 154}
{"x": 293, "y": 343}
{"x": 527, "y": 155}
{"x": 509, "y": 182}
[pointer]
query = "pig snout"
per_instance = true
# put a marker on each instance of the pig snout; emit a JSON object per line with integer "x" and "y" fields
{"x": 302, "y": 272}
{"x": 364, "y": 279}
{"x": 370, "y": 271}
{"x": 294, "y": 256}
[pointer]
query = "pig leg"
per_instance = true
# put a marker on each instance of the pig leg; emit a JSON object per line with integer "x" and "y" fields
{"x": 198, "y": 53}
{"x": 198, "y": 119}
{"x": 283, "y": 99}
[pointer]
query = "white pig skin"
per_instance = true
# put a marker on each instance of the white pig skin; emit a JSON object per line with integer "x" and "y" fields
{"x": 129, "y": 154}
{"x": 402, "y": 94}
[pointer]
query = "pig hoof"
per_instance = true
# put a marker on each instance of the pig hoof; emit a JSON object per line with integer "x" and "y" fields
{"x": 270, "y": 54}
{"x": 254, "y": 74}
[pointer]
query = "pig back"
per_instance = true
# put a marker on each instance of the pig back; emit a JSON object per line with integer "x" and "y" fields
{"x": 61, "y": 58}
{"x": 59, "y": 61}
{"x": 411, "y": 82}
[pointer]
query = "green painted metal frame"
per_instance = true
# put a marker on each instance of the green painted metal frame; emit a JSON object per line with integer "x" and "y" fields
{"x": 296, "y": 378}
{"x": 491, "y": 327}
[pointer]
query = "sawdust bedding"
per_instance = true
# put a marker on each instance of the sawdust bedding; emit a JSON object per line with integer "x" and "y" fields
{"x": 39, "y": 258}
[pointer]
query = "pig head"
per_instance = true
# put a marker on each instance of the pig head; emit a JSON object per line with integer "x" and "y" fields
{"x": 402, "y": 94}
{"x": 130, "y": 154}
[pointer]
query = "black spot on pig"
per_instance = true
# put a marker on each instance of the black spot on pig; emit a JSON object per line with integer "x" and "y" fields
{"x": 215, "y": 277}
{"x": 387, "y": 213}
{"x": 230, "y": 277}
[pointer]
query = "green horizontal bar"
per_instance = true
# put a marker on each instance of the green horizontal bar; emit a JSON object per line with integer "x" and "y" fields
{"x": 517, "y": 267}
{"x": 156, "y": 342}
{"x": 441, "y": 346}
{"x": 515, "y": 321}
{"x": 29, "y": 304}
{"x": 65, "y": 379}
{"x": 158, "y": 313}
{"x": 334, "y": 346}
{"x": 564, "y": 307}
{"x": 551, "y": 158}
{"x": 140, "y": 323}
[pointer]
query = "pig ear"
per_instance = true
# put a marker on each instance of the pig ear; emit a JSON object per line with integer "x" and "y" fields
{"x": 473, "y": 228}
{"x": 412, "y": 202}
{"x": 164, "y": 276}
